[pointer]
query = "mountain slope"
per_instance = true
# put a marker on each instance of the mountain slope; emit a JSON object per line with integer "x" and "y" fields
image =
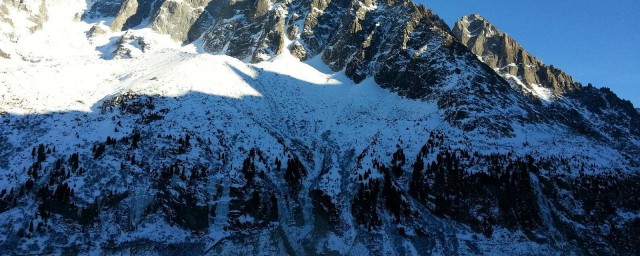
{"x": 597, "y": 112}
{"x": 128, "y": 142}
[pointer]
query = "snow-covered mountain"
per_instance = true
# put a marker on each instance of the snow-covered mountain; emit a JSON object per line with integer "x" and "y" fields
{"x": 589, "y": 110}
{"x": 295, "y": 127}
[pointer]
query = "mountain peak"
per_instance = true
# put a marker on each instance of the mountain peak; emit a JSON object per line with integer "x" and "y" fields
{"x": 473, "y": 17}
{"x": 474, "y": 24}
{"x": 502, "y": 53}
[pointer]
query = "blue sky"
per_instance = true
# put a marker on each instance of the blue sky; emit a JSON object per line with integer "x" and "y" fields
{"x": 594, "y": 41}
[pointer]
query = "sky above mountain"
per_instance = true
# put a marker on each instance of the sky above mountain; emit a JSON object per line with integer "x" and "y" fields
{"x": 594, "y": 41}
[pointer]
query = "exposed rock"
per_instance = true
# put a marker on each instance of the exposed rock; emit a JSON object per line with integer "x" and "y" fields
{"x": 298, "y": 51}
{"x": 271, "y": 42}
{"x": 4, "y": 55}
{"x": 103, "y": 8}
{"x": 501, "y": 52}
{"x": 78, "y": 16}
{"x": 292, "y": 32}
{"x": 618, "y": 119}
{"x": 134, "y": 12}
{"x": 97, "y": 29}
{"x": 36, "y": 13}
{"x": 176, "y": 18}
{"x": 4, "y": 13}
{"x": 127, "y": 10}
{"x": 261, "y": 8}
{"x": 247, "y": 32}
{"x": 38, "y": 17}
{"x": 129, "y": 46}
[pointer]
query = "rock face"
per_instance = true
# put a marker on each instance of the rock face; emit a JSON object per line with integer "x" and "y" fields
{"x": 176, "y": 18}
{"x": 127, "y": 10}
{"x": 247, "y": 30}
{"x": 501, "y": 52}
{"x": 133, "y": 13}
{"x": 103, "y": 8}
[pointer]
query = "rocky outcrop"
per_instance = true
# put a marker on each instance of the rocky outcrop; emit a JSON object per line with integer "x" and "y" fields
{"x": 249, "y": 30}
{"x": 97, "y": 29}
{"x": 176, "y": 18}
{"x": 103, "y": 8}
{"x": 4, "y": 13}
{"x": 503, "y": 53}
{"x": 4, "y": 55}
{"x": 127, "y": 10}
{"x": 39, "y": 16}
{"x": 129, "y": 45}
{"x": 133, "y": 13}
{"x": 36, "y": 12}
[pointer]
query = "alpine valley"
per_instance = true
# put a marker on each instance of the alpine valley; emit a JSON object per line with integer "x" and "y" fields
{"x": 300, "y": 127}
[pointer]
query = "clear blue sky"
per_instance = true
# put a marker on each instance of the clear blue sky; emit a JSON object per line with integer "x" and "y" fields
{"x": 595, "y": 41}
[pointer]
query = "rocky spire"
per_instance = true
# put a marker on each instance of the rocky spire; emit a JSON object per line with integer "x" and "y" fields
{"x": 503, "y": 53}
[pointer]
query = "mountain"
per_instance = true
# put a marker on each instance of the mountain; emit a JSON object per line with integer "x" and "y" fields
{"x": 611, "y": 118}
{"x": 296, "y": 127}
{"x": 511, "y": 60}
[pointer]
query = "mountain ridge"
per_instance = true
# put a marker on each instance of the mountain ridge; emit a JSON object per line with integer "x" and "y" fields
{"x": 531, "y": 77}
{"x": 502, "y": 52}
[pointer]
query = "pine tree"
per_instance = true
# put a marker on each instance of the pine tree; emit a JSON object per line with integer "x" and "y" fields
{"x": 41, "y": 154}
